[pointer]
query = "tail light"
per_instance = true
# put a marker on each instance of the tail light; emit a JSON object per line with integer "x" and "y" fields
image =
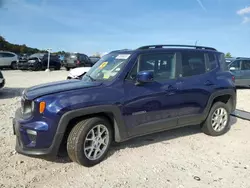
{"x": 77, "y": 62}
{"x": 233, "y": 78}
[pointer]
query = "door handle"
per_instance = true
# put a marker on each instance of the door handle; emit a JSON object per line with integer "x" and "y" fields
{"x": 171, "y": 88}
{"x": 208, "y": 83}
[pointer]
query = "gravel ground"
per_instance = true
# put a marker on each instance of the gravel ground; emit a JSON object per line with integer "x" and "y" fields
{"x": 179, "y": 158}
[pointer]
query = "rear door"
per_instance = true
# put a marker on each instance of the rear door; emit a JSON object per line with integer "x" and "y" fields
{"x": 6, "y": 59}
{"x": 197, "y": 82}
{"x": 152, "y": 106}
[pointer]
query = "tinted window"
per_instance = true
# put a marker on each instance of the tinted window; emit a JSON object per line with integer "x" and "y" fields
{"x": 7, "y": 55}
{"x": 163, "y": 66}
{"x": 235, "y": 64}
{"x": 1, "y": 54}
{"x": 212, "y": 61}
{"x": 193, "y": 63}
{"x": 223, "y": 63}
{"x": 245, "y": 65}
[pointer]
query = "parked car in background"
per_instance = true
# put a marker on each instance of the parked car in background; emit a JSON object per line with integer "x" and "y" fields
{"x": 73, "y": 60}
{"x": 240, "y": 68}
{"x": 39, "y": 61}
{"x": 126, "y": 94}
{"x": 77, "y": 73}
{"x": 8, "y": 60}
{"x": 94, "y": 59}
{"x": 23, "y": 58}
{"x": 229, "y": 60}
{"x": 2, "y": 80}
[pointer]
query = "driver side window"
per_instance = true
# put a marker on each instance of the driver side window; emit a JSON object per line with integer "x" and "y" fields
{"x": 235, "y": 64}
{"x": 161, "y": 64}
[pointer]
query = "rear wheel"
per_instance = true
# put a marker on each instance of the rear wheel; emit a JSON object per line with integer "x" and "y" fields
{"x": 13, "y": 65}
{"x": 89, "y": 141}
{"x": 67, "y": 68}
{"x": 217, "y": 122}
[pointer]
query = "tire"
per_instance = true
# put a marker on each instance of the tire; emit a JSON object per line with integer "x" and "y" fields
{"x": 207, "y": 126}
{"x": 38, "y": 67}
{"x": 67, "y": 68}
{"x": 58, "y": 67}
{"x": 77, "y": 143}
{"x": 13, "y": 66}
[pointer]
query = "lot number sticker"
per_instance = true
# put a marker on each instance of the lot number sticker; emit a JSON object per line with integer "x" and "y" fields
{"x": 123, "y": 56}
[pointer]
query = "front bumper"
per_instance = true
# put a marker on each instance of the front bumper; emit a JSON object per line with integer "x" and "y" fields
{"x": 25, "y": 146}
{"x": 26, "y": 66}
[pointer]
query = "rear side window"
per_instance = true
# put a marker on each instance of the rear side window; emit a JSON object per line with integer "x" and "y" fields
{"x": 222, "y": 61}
{"x": 193, "y": 63}
{"x": 245, "y": 65}
{"x": 212, "y": 61}
{"x": 8, "y": 55}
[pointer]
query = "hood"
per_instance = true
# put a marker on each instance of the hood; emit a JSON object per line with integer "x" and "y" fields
{"x": 56, "y": 87}
{"x": 78, "y": 71}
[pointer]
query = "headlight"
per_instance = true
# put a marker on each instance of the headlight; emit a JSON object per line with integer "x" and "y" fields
{"x": 31, "y": 61}
{"x": 27, "y": 107}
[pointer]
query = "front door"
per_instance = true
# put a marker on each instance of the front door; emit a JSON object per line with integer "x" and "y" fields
{"x": 152, "y": 106}
{"x": 245, "y": 73}
{"x": 235, "y": 69}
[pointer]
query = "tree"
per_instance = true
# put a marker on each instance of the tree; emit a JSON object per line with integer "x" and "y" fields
{"x": 228, "y": 54}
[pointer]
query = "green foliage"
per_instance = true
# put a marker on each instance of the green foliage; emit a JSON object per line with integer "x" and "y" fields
{"x": 228, "y": 55}
{"x": 16, "y": 48}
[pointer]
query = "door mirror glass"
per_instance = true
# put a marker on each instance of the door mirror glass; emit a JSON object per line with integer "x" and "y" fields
{"x": 144, "y": 77}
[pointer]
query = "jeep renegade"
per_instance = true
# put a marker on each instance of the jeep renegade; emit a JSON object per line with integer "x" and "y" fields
{"x": 126, "y": 94}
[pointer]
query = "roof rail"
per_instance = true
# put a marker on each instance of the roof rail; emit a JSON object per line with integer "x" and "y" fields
{"x": 242, "y": 58}
{"x": 173, "y": 45}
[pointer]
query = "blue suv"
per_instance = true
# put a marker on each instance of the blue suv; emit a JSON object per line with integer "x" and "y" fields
{"x": 126, "y": 94}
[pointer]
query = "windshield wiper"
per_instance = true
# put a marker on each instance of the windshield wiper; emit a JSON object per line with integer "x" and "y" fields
{"x": 92, "y": 79}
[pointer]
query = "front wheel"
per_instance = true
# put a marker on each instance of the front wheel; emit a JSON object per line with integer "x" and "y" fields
{"x": 218, "y": 120}
{"x": 89, "y": 141}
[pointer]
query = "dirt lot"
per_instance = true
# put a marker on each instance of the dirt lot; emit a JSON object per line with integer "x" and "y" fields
{"x": 180, "y": 158}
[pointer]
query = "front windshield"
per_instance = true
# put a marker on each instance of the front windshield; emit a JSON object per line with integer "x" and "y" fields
{"x": 107, "y": 67}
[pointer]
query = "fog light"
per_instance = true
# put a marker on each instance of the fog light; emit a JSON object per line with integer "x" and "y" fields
{"x": 32, "y": 135}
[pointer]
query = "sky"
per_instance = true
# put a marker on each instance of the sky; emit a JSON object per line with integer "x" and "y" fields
{"x": 91, "y": 26}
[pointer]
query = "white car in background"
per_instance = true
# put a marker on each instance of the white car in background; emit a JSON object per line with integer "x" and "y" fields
{"x": 8, "y": 60}
{"x": 77, "y": 73}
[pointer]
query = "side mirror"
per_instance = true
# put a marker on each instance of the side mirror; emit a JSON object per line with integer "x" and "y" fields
{"x": 232, "y": 68}
{"x": 144, "y": 77}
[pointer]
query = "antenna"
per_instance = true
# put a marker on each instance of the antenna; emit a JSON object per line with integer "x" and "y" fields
{"x": 196, "y": 42}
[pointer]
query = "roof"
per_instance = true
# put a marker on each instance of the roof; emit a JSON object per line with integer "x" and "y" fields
{"x": 166, "y": 47}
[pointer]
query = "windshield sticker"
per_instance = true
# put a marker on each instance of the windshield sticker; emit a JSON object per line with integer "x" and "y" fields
{"x": 106, "y": 76}
{"x": 123, "y": 56}
{"x": 103, "y": 65}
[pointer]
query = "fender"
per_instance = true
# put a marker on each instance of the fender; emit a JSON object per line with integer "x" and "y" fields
{"x": 231, "y": 92}
{"x": 120, "y": 130}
